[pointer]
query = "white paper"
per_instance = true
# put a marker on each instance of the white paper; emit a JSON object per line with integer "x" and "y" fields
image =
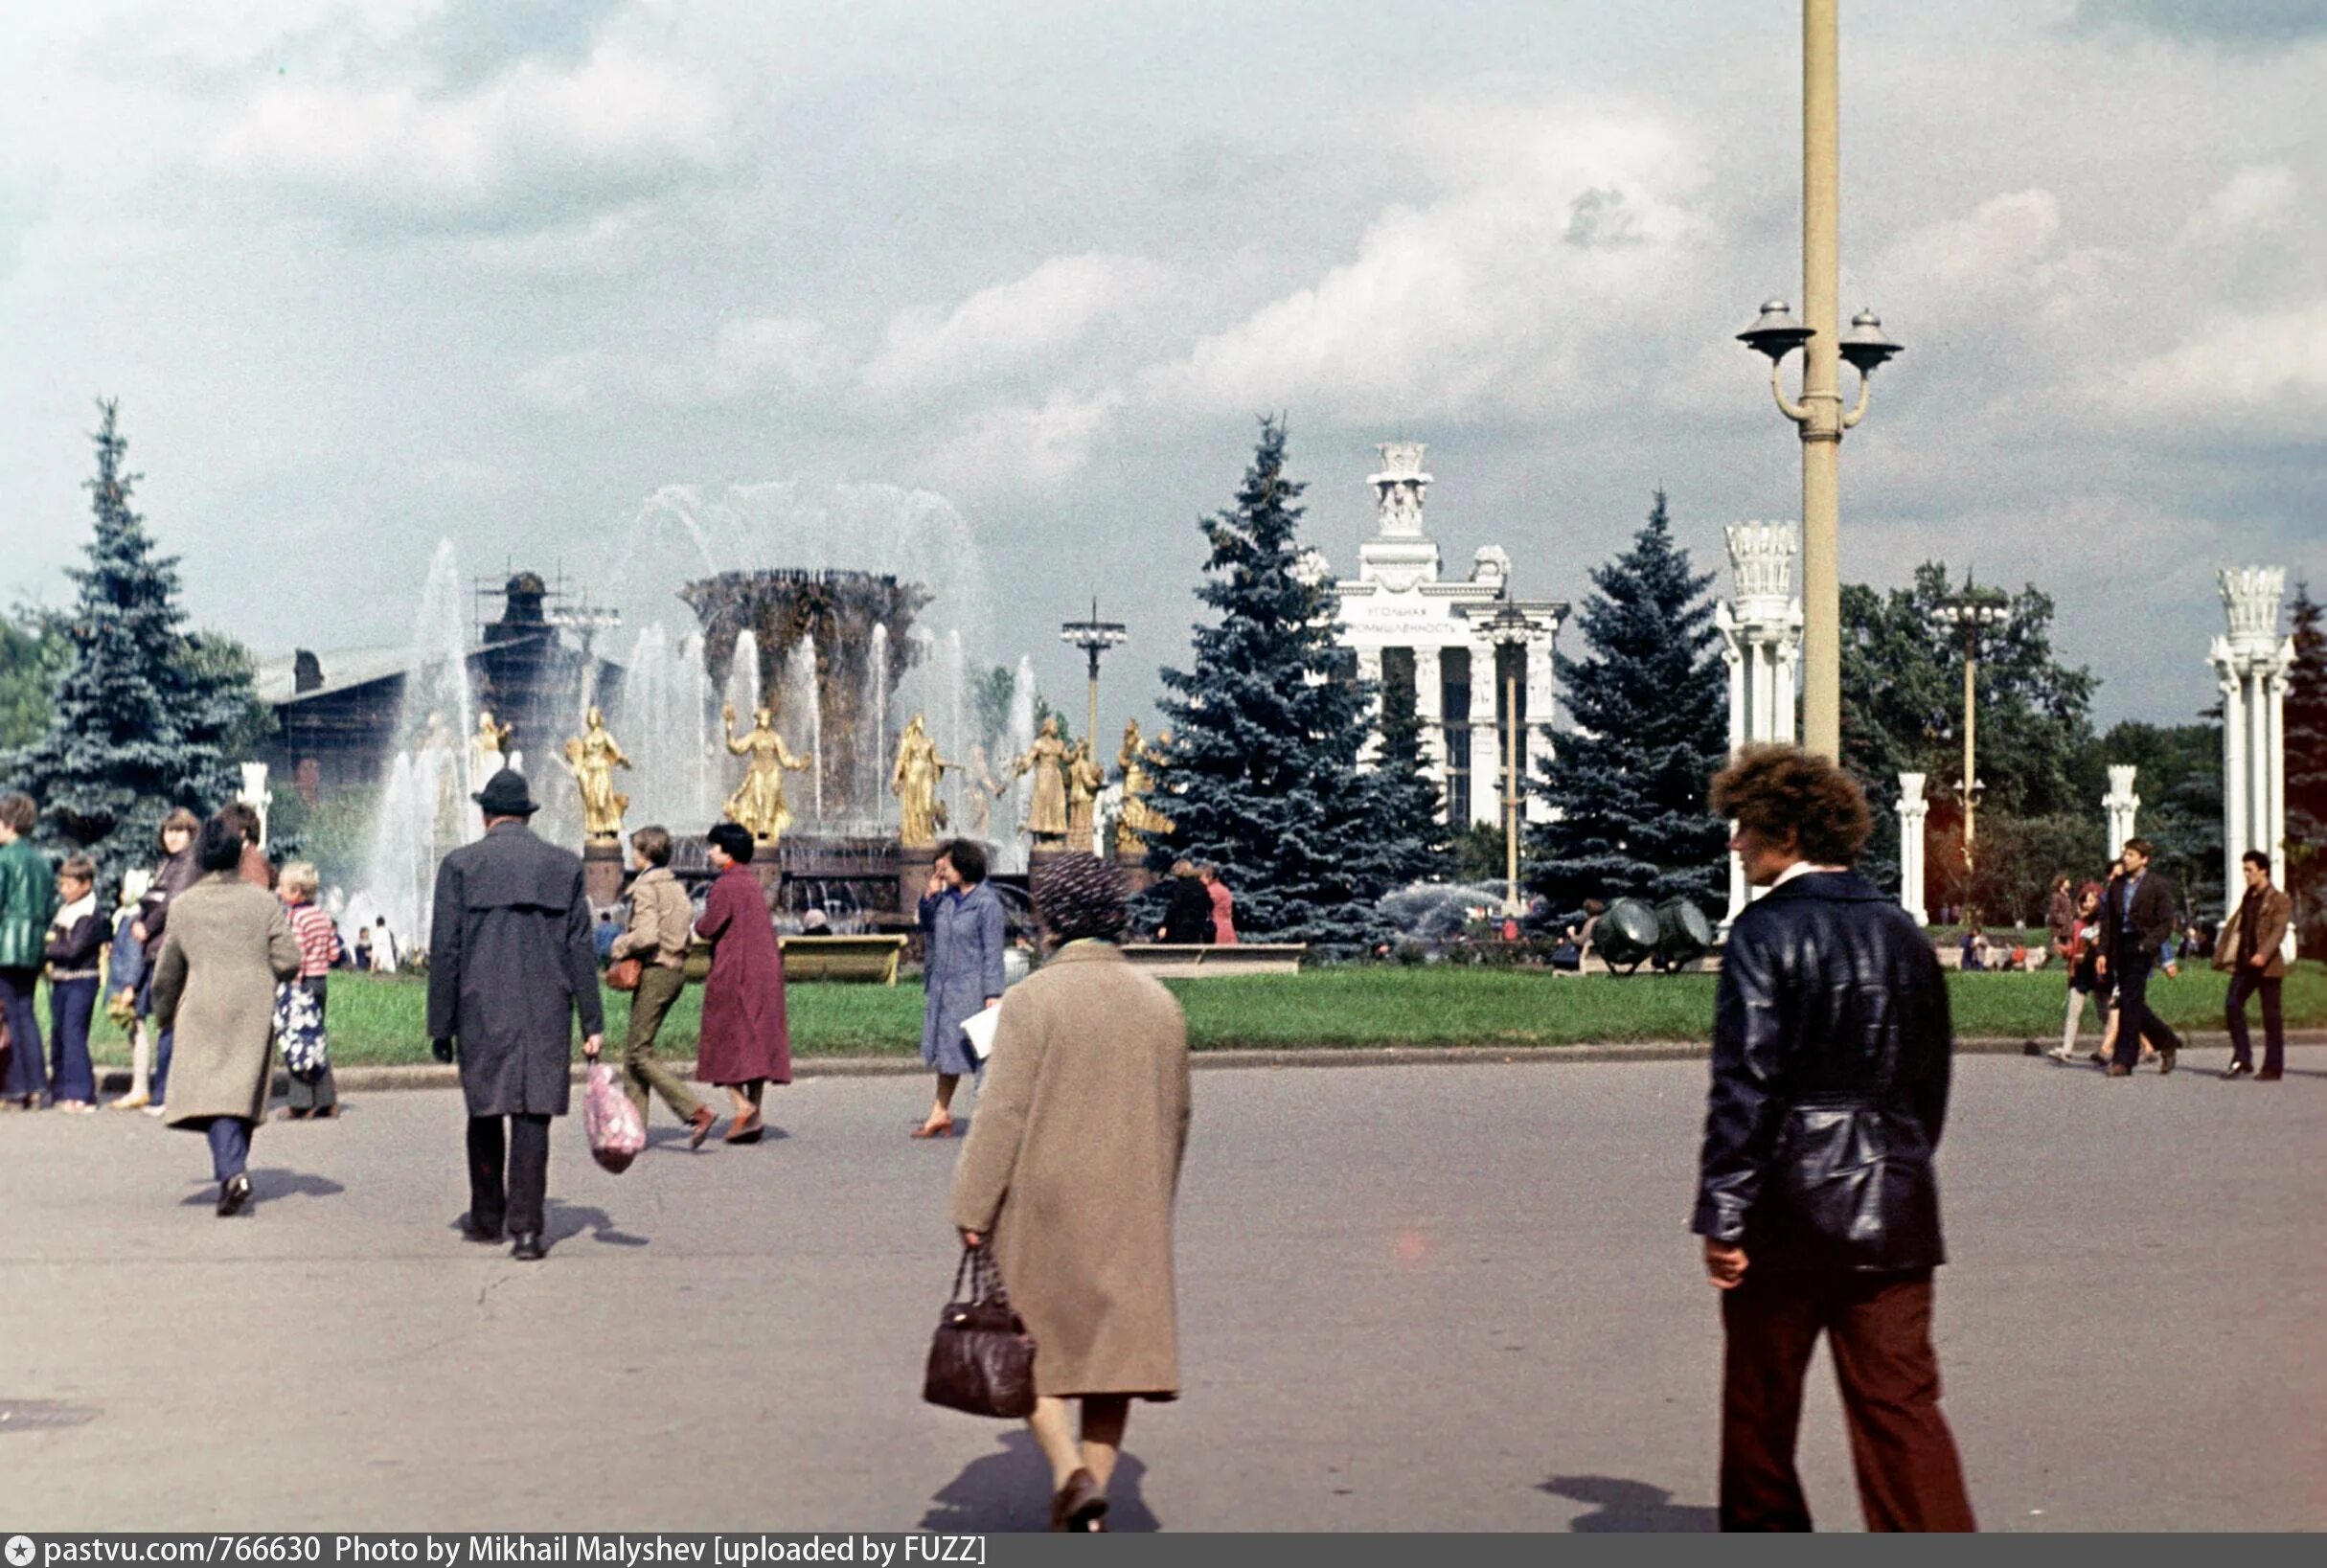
{"x": 978, "y": 1029}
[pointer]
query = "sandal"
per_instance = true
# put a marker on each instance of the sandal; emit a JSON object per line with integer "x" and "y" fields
{"x": 746, "y": 1130}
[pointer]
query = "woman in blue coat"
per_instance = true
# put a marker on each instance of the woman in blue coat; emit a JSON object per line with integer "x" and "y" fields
{"x": 961, "y": 920}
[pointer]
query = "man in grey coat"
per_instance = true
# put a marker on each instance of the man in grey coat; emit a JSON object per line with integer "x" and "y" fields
{"x": 511, "y": 962}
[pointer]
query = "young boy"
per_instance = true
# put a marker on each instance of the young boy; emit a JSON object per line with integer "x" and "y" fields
{"x": 125, "y": 978}
{"x": 76, "y": 944}
{"x": 318, "y": 944}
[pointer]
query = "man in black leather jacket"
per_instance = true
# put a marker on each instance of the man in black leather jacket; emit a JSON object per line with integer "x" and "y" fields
{"x": 1817, "y": 1195}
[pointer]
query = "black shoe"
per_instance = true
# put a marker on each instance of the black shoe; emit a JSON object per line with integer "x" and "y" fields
{"x": 233, "y": 1193}
{"x": 2165, "y": 1058}
{"x": 529, "y": 1248}
{"x": 473, "y": 1231}
{"x": 2239, "y": 1069}
{"x": 2268, "y": 1074}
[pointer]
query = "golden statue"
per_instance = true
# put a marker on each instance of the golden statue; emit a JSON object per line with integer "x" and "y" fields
{"x": 592, "y": 757}
{"x": 914, "y": 781}
{"x": 1084, "y": 779}
{"x": 1046, "y": 816}
{"x": 758, "y": 803}
{"x": 1136, "y": 760}
{"x": 487, "y": 748}
{"x": 981, "y": 795}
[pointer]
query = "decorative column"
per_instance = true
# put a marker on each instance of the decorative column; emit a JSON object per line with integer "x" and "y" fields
{"x": 2120, "y": 804}
{"x": 1912, "y": 809}
{"x": 2251, "y": 663}
{"x": 1536, "y": 752}
{"x": 1760, "y": 631}
{"x": 255, "y": 795}
{"x": 1486, "y": 730}
{"x": 1429, "y": 698}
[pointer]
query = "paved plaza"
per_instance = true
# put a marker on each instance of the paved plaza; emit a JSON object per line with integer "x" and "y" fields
{"x": 1450, "y": 1297}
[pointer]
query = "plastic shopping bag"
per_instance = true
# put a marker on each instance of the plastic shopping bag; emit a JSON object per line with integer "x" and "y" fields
{"x": 617, "y": 1131}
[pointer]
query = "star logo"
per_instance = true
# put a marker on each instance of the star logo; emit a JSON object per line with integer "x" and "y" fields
{"x": 20, "y": 1550}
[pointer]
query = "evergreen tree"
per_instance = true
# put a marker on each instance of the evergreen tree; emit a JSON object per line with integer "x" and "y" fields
{"x": 1262, "y": 772}
{"x": 1408, "y": 840}
{"x": 141, "y": 714}
{"x": 1651, "y": 727}
{"x": 2306, "y": 718}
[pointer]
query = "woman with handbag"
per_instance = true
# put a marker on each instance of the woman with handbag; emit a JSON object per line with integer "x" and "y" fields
{"x": 746, "y": 1043}
{"x": 1070, "y": 1175}
{"x": 650, "y": 964}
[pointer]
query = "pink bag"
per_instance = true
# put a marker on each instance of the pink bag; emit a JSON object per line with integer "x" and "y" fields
{"x": 617, "y": 1131}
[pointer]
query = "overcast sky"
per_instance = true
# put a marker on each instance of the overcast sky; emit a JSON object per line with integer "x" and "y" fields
{"x": 993, "y": 292}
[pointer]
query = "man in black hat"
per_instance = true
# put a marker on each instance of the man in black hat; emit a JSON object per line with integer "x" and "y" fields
{"x": 509, "y": 964}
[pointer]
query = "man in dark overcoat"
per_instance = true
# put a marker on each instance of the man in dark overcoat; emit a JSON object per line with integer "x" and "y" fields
{"x": 511, "y": 962}
{"x": 2137, "y": 915}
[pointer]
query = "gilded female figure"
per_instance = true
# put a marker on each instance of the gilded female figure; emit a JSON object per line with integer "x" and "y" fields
{"x": 1084, "y": 779}
{"x": 758, "y": 803}
{"x": 1046, "y": 816}
{"x": 914, "y": 781}
{"x": 592, "y": 757}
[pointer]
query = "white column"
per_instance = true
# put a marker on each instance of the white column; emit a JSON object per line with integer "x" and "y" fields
{"x": 2121, "y": 804}
{"x": 1788, "y": 662}
{"x": 1485, "y": 736}
{"x": 1913, "y": 811}
{"x": 2281, "y": 669}
{"x": 2233, "y": 768}
{"x": 1733, "y": 654}
{"x": 2258, "y": 758}
{"x": 1537, "y": 742}
{"x": 1429, "y": 709}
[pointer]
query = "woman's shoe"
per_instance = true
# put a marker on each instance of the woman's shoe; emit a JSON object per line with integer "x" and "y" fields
{"x": 74, "y": 1107}
{"x": 233, "y": 1194}
{"x": 129, "y": 1102}
{"x": 698, "y": 1126}
{"x": 1080, "y": 1508}
{"x": 746, "y": 1130}
{"x": 935, "y": 1129}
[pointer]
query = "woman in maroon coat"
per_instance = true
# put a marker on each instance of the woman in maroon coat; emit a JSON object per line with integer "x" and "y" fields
{"x": 744, "y": 1041}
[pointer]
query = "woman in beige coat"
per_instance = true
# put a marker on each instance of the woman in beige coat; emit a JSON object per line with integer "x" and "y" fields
{"x": 229, "y": 945}
{"x": 1071, "y": 1172}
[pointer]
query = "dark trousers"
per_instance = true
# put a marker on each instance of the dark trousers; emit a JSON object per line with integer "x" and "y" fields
{"x": 1880, "y": 1326}
{"x": 324, "y": 1093}
{"x": 72, "y": 1003}
{"x": 2244, "y": 984}
{"x": 521, "y": 1149}
{"x": 159, "y": 1090}
{"x": 2136, "y": 1022}
{"x": 229, "y": 1145}
{"x": 28, "y": 1073}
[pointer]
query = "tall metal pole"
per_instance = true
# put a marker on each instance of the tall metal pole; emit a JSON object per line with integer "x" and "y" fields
{"x": 1511, "y": 793}
{"x": 1821, "y": 431}
{"x": 1971, "y": 741}
{"x": 1090, "y": 728}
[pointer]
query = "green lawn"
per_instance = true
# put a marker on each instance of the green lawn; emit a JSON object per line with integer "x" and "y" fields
{"x": 376, "y": 1019}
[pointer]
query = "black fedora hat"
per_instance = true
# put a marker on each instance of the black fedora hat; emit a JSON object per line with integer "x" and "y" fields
{"x": 505, "y": 795}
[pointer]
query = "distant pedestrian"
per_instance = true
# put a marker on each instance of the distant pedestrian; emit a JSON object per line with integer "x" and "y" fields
{"x": 2061, "y": 917}
{"x": 510, "y": 970}
{"x": 662, "y": 923}
{"x": 383, "y": 947}
{"x": 1188, "y": 911}
{"x": 2251, "y": 946}
{"x": 213, "y": 987}
{"x": 603, "y": 935}
{"x": 963, "y": 932}
{"x": 124, "y": 984}
{"x": 177, "y": 872}
{"x": 254, "y": 867}
{"x": 1816, "y": 1195}
{"x": 2085, "y": 979}
{"x": 318, "y": 941}
{"x": 1070, "y": 1175}
{"x": 363, "y": 949}
{"x": 28, "y": 897}
{"x": 2137, "y": 919}
{"x": 746, "y": 1043}
{"x": 1223, "y": 905}
{"x": 75, "y": 952}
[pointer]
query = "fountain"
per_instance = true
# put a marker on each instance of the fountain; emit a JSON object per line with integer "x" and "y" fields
{"x": 424, "y": 807}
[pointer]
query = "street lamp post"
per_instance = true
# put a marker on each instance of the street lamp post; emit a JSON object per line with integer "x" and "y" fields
{"x": 1819, "y": 417}
{"x": 1511, "y": 628}
{"x": 1094, "y": 637}
{"x": 1972, "y": 614}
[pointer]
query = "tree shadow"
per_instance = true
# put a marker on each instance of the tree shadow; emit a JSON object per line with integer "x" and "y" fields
{"x": 1628, "y": 1507}
{"x": 566, "y": 1220}
{"x": 267, "y": 1184}
{"x": 1011, "y": 1491}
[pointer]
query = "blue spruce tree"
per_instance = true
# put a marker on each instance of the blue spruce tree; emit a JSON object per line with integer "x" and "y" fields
{"x": 142, "y": 710}
{"x": 1261, "y": 775}
{"x": 1648, "y": 728}
{"x": 1408, "y": 840}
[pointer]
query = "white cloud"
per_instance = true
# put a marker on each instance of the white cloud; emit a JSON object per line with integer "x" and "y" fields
{"x": 745, "y": 357}
{"x": 1029, "y": 444}
{"x": 2270, "y": 368}
{"x": 1005, "y": 327}
{"x": 1995, "y": 246}
{"x": 544, "y": 141}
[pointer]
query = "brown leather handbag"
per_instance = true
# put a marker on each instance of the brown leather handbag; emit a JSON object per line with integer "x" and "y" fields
{"x": 981, "y": 1359}
{"x": 625, "y": 973}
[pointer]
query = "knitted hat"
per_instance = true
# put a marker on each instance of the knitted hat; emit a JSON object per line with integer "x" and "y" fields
{"x": 1079, "y": 895}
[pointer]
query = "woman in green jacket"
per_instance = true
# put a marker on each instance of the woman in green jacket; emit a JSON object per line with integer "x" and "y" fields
{"x": 27, "y": 902}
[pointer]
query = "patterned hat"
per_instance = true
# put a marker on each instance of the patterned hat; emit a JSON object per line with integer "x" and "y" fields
{"x": 1078, "y": 895}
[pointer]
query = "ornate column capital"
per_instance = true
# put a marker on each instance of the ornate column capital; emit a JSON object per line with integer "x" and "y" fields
{"x": 2250, "y": 597}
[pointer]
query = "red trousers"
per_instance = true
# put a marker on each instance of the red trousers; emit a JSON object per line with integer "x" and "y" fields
{"x": 1879, "y": 1326}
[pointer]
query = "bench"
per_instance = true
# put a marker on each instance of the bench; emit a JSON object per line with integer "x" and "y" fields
{"x": 865, "y": 958}
{"x": 1174, "y": 961}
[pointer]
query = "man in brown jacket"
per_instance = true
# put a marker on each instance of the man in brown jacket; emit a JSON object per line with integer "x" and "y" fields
{"x": 2252, "y": 946}
{"x": 662, "y": 919}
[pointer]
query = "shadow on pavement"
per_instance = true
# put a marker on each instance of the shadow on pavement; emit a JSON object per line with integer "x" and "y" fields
{"x": 267, "y": 1184}
{"x": 1628, "y": 1507}
{"x": 566, "y": 1220}
{"x": 1011, "y": 1491}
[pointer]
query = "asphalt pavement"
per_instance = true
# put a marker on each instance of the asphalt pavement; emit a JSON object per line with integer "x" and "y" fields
{"x": 1430, "y": 1297}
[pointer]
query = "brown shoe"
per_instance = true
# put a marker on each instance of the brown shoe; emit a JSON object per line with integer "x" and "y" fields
{"x": 1080, "y": 1508}
{"x": 698, "y": 1126}
{"x": 2118, "y": 1069}
{"x": 745, "y": 1130}
{"x": 2166, "y": 1059}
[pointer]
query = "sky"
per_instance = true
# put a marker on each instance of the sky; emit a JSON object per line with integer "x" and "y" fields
{"x": 994, "y": 294}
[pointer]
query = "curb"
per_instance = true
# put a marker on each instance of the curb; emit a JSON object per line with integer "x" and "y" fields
{"x": 433, "y": 1075}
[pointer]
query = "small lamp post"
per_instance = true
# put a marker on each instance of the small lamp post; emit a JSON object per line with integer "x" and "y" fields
{"x": 1511, "y": 628}
{"x": 1094, "y": 637}
{"x": 1972, "y": 614}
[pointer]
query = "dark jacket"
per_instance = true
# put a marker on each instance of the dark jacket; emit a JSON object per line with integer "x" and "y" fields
{"x": 509, "y": 964}
{"x": 74, "y": 951}
{"x": 1188, "y": 917}
{"x": 173, "y": 876}
{"x": 28, "y": 900}
{"x": 1831, "y": 1055}
{"x": 2273, "y": 911}
{"x": 2154, "y": 917}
